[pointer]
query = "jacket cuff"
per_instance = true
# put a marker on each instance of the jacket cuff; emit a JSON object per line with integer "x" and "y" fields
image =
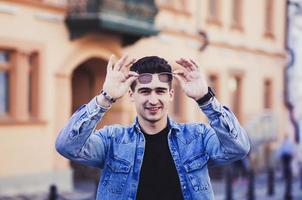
{"x": 93, "y": 108}
{"x": 212, "y": 108}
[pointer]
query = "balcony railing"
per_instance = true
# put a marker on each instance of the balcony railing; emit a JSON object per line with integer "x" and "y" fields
{"x": 130, "y": 18}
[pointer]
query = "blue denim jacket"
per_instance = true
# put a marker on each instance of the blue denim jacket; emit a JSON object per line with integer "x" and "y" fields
{"x": 119, "y": 150}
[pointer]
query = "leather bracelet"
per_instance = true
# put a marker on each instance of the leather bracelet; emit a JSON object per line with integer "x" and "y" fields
{"x": 107, "y": 96}
{"x": 206, "y": 97}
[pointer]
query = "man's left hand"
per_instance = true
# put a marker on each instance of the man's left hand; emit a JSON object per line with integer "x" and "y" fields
{"x": 192, "y": 80}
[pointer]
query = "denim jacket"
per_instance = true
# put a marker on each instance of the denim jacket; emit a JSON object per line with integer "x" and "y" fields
{"x": 119, "y": 150}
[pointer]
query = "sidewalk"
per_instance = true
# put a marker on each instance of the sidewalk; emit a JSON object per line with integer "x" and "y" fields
{"x": 240, "y": 189}
{"x": 85, "y": 191}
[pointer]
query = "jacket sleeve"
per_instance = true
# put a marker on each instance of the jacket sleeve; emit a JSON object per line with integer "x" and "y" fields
{"x": 225, "y": 140}
{"x": 78, "y": 140}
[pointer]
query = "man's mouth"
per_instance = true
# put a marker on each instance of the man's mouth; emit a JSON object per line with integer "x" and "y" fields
{"x": 153, "y": 109}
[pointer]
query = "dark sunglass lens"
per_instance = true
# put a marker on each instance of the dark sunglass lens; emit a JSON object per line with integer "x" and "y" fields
{"x": 145, "y": 78}
{"x": 165, "y": 77}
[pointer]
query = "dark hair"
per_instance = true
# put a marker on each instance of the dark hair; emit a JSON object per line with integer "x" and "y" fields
{"x": 150, "y": 64}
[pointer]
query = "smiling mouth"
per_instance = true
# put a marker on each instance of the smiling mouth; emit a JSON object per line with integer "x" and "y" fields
{"x": 153, "y": 109}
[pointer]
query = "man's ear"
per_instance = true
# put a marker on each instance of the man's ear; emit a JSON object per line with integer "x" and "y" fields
{"x": 130, "y": 93}
{"x": 171, "y": 93}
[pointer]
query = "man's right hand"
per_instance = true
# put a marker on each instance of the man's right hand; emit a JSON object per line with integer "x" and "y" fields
{"x": 119, "y": 78}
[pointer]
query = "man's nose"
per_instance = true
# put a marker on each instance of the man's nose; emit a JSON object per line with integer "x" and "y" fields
{"x": 153, "y": 99}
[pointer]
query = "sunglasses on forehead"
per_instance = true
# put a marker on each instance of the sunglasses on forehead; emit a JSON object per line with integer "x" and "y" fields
{"x": 164, "y": 77}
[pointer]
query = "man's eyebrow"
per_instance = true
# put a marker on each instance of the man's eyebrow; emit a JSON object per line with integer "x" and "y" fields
{"x": 144, "y": 88}
{"x": 161, "y": 88}
{"x": 157, "y": 88}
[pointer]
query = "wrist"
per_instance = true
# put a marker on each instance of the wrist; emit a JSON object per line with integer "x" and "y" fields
{"x": 102, "y": 101}
{"x": 206, "y": 98}
{"x": 107, "y": 96}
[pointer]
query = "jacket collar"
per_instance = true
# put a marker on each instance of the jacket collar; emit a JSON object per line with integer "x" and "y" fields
{"x": 171, "y": 123}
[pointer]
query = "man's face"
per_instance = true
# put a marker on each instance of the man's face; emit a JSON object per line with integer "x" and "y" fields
{"x": 152, "y": 99}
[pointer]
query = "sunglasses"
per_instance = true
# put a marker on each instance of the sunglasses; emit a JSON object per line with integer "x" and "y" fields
{"x": 164, "y": 77}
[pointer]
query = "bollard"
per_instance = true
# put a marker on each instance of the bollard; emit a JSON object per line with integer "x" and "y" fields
{"x": 300, "y": 177}
{"x": 96, "y": 181}
{"x": 270, "y": 182}
{"x": 288, "y": 186}
{"x": 228, "y": 183}
{"x": 53, "y": 193}
{"x": 251, "y": 185}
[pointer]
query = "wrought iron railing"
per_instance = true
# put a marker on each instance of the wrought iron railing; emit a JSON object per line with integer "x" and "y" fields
{"x": 139, "y": 9}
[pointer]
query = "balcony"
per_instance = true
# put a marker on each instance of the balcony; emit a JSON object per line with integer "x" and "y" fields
{"x": 132, "y": 19}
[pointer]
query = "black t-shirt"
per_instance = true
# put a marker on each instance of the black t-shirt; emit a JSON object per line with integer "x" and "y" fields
{"x": 158, "y": 177}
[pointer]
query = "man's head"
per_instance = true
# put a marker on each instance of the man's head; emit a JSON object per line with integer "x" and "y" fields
{"x": 150, "y": 65}
{"x": 152, "y": 91}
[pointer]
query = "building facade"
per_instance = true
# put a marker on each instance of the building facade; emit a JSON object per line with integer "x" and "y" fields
{"x": 52, "y": 60}
{"x": 294, "y": 72}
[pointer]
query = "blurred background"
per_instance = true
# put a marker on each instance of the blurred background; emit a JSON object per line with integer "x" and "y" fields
{"x": 53, "y": 56}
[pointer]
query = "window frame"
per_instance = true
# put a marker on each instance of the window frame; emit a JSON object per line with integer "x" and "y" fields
{"x": 214, "y": 18}
{"x": 8, "y": 67}
{"x": 171, "y": 6}
{"x": 268, "y": 94}
{"x": 237, "y": 15}
{"x": 269, "y": 13}
{"x": 18, "y": 97}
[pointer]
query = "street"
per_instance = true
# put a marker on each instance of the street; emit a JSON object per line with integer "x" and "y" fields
{"x": 85, "y": 190}
{"x": 240, "y": 189}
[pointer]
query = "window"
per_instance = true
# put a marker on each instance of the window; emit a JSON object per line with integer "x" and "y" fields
{"x": 4, "y": 82}
{"x": 269, "y": 16}
{"x": 213, "y": 83}
{"x": 213, "y": 9}
{"x": 33, "y": 85}
{"x": 236, "y": 20}
{"x": 267, "y": 94}
{"x": 235, "y": 84}
{"x": 178, "y": 5}
{"x": 18, "y": 85}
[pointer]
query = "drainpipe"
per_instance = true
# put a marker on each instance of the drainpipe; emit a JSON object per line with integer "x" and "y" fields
{"x": 288, "y": 103}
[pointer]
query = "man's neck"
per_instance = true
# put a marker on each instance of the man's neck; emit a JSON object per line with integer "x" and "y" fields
{"x": 152, "y": 127}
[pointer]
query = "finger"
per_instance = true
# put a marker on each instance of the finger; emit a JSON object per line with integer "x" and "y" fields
{"x": 180, "y": 79}
{"x": 127, "y": 64}
{"x": 188, "y": 64}
{"x": 120, "y": 63}
{"x": 131, "y": 73}
{"x": 130, "y": 80}
{"x": 130, "y": 62}
{"x": 194, "y": 63}
{"x": 110, "y": 62}
{"x": 182, "y": 73}
{"x": 184, "y": 64}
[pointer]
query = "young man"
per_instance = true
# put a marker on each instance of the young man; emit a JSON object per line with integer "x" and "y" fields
{"x": 155, "y": 158}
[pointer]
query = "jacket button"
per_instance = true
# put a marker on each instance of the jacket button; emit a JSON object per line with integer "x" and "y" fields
{"x": 184, "y": 187}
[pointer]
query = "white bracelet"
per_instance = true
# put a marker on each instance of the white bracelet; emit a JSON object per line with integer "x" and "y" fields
{"x": 108, "y": 97}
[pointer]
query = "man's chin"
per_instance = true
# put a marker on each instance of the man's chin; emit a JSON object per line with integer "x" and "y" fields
{"x": 153, "y": 119}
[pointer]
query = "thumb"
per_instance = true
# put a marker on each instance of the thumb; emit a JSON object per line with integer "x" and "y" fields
{"x": 130, "y": 80}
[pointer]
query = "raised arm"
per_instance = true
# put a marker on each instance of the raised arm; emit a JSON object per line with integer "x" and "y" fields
{"x": 224, "y": 140}
{"x": 78, "y": 140}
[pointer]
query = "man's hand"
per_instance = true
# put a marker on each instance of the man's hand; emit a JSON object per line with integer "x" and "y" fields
{"x": 191, "y": 79}
{"x": 119, "y": 78}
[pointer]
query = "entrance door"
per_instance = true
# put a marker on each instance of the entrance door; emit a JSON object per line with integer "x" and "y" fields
{"x": 87, "y": 80}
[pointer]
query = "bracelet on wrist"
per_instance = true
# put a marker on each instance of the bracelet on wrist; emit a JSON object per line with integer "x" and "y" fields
{"x": 206, "y": 97}
{"x": 107, "y": 96}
